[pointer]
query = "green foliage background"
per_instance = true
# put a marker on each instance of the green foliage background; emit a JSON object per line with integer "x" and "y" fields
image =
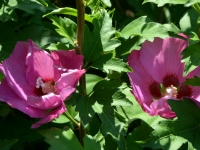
{"x": 109, "y": 113}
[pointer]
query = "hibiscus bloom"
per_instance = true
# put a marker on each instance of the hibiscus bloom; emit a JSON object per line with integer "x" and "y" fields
{"x": 37, "y": 83}
{"x": 158, "y": 75}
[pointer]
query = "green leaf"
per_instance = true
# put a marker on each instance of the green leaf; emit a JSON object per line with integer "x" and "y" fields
{"x": 192, "y": 2}
{"x": 107, "y": 2}
{"x": 91, "y": 80}
{"x": 106, "y": 63}
{"x": 188, "y": 22}
{"x": 148, "y": 30}
{"x": 110, "y": 144}
{"x": 84, "y": 107}
{"x": 135, "y": 111}
{"x": 101, "y": 60}
{"x": 104, "y": 93}
{"x": 171, "y": 134}
{"x": 61, "y": 139}
{"x": 163, "y": 2}
{"x": 100, "y": 39}
{"x": 119, "y": 99}
{"x": 39, "y": 34}
{"x": 136, "y": 135}
{"x": 114, "y": 84}
{"x": 127, "y": 45}
{"x": 41, "y": 2}
{"x": 66, "y": 27}
{"x": 68, "y": 11}
{"x": 90, "y": 143}
{"x": 6, "y": 144}
{"x": 193, "y": 81}
{"x": 58, "y": 46}
{"x": 61, "y": 119}
{"x": 110, "y": 125}
{"x": 191, "y": 57}
{"x": 4, "y": 109}
{"x": 100, "y": 138}
{"x": 29, "y": 6}
{"x": 116, "y": 64}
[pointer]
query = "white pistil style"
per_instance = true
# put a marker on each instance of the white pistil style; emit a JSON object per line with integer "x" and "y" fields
{"x": 47, "y": 87}
{"x": 171, "y": 91}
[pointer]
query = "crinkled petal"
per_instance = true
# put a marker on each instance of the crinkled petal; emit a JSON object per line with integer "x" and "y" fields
{"x": 145, "y": 106}
{"x": 162, "y": 57}
{"x": 40, "y": 64}
{"x": 14, "y": 69}
{"x": 140, "y": 80}
{"x": 66, "y": 92}
{"x": 195, "y": 89}
{"x": 65, "y": 60}
{"x": 50, "y": 116}
{"x": 196, "y": 94}
{"x": 161, "y": 107}
{"x": 48, "y": 101}
{"x": 11, "y": 98}
{"x": 69, "y": 79}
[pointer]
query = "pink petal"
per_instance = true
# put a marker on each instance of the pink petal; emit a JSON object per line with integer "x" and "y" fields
{"x": 67, "y": 59}
{"x": 14, "y": 69}
{"x": 195, "y": 89}
{"x": 162, "y": 57}
{"x": 66, "y": 92}
{"x": 69, "y": 79}
{"x": 140, "y": 80}
{"x": 161, "y": 107}
{"x": 11, "y": 98}
{"x": 48, "y": 101}
{"x": 50, "y": 116}
{"x": 40, "y": 64}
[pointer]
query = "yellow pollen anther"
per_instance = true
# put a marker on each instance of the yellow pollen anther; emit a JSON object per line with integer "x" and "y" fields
{"x": 171, "y": 91}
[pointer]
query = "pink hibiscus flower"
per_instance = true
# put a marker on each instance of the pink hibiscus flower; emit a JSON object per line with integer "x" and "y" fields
{"x": 37, "y": 83}
{"x": 158, "y": 75}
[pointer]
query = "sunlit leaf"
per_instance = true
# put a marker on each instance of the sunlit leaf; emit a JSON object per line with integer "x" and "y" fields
{"x": 99, "y": 39}
{"x": 192, "y": 2}
{"x": 188, "y": 22}
{"x": 68, "y": 11}
{"x": 163, "y": 2}
{"x": 107, "y": 2}
{"x": 147, "y": 29}
{"x": 91, "y": 80}
{"x": 61, "y": 119}
{"x": 110, "y": 125}
{"x": 191, "y": 57}
{"x": 61, "y": 139}
{"x": 66, "y": 27}
{"x": 119, "y": 99}
{"x": 171, "y": 134}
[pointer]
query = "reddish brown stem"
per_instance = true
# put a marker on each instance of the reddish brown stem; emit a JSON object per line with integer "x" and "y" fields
{"x": 79, "y": 50}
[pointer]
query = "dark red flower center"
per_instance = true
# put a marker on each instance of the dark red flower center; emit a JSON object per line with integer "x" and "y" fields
{"x": 44, "y": 87}
{"x": 171, "y": 87}
{"x": 155, "y": 89}
{"x": 170, "y": 80}
{"x": 184, "y": 91}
